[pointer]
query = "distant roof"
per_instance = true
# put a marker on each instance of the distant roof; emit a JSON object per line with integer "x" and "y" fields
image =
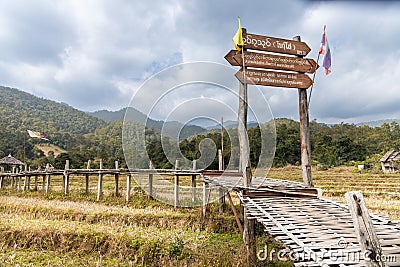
{"x": 390, "y": 155}
{"x": 10, "y": 160}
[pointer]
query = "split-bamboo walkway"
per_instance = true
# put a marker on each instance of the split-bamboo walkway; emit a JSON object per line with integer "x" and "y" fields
{"x": 315, "y": 231}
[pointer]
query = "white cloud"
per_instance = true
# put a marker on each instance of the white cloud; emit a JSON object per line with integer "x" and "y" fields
{"x": 96, "y": 54}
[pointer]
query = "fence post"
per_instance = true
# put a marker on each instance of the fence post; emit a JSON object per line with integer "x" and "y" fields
{"x": 364, "y": 229}
{"x": 87, "y": 178}
{"x": 47, "y": 179}
{"x": 36, "y": 183}
{"x": 206, "y": 196}
{"x": 194, "y": 167}
{"x": 19, "y": 183}
{"x": 176, "y": 190}
{"x": 25, "y": 182}
{"x": 116, "y": 179}
{"x": 43, "y": 183}
{"x": 128, "y": 186}
{"x": 66, "y": 178}
{"x": 150, "y": 185}
{"x": 100, "y": 182}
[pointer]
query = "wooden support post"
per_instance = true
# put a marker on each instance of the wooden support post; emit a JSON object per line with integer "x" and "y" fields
{"x": 194, "y": 188}
{"x": 87, "y": 178}
{"x": 222, "y": 143}
{"x": 206, "y": 196}
{"x": 176, "y": 190}
{"x": 221, "y": 195}
{"x": 194, "y": 167}
{"x": 116, "y": 178}
{"x": 47, "y": 183}
{"x": 36, "y": 183}
{"x": 304, "y": 134}
{"x": 66, "y": 178}
{"x": 245, "y": 167}
{"x": 12, "y": 181}
{"x": 1, "y": 181}
{"x": 100, "y": 182}
{"x": 43, "y": 183}
{"x": 25, "y": 181}
{"x": 221, "y": 191}
{"x": 364, "y": 229}
{"x": 100, "y": 186}
{"x": 28, "y": 184}
{"x": 128, "y": 187}
{"x": 19, "y": 183}
{"x": 220, "y": 162}
{"x": 150, "y": 185}
{"x": 87, "y": 184}
{"x": 239, "y": 224}
{"x": 177, "y": 164}
{"x": 249, "y": 228}
{"x": 242, "y": 125}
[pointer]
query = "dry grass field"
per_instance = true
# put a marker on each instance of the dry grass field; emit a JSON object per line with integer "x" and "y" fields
{"x": 381, "y": 191}
{"x": 76, "y": 230}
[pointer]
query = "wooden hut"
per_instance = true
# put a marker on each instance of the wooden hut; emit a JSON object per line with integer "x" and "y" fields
{"x": 390, "y": 162}
{"x": 11, "y": 161}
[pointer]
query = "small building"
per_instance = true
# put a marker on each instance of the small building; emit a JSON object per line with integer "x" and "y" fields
{"x": 11, "y": 161}
{"x": 390, "y": 162}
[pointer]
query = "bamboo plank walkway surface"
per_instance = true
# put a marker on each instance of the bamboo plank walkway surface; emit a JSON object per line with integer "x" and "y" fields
{"x": 316, "y": 231}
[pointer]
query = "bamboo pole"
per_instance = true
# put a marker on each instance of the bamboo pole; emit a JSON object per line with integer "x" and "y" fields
{"x": 100, "y": 182}
{"x": 66, "y": 178}
{"x": 116, "y": 178}
{"x": 128, "y": 187}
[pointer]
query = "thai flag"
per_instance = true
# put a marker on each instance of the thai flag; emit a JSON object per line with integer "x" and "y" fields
{"x": 327, "y": 60}
{"x": 325, "y": 50}
{"x": 37, "y": 135}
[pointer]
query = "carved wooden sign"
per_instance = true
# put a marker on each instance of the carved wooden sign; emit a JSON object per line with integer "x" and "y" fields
{"x": 276, "y": 45}
{"x": 275, "y": 78}
{"x": 270, "y": 61}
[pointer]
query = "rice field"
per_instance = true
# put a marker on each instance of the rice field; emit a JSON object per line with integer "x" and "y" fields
{"x": 39, "y": 229}
{"x": 381, "y": 191}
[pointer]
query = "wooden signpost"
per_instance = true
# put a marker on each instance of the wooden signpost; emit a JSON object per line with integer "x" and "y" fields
{"x": 271, "y": 61}
{"x": 287, "y": 71}
{"x": 276, "y": 45}
{"x": 275, "y": 78}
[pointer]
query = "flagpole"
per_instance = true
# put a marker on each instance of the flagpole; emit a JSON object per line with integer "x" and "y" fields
{"x": 24, "y": 147}
{"x": 313, "y": 79}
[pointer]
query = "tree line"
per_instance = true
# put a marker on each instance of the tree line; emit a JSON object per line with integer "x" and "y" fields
{"x": 332, "y": 145}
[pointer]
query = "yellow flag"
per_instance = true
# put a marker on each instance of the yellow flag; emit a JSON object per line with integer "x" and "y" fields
{"x": 238, "y": 38}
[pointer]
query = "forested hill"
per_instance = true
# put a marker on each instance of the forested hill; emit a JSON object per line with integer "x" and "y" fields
{"x": 20, "y": 111}
{"x": 170, "y": 128}
{"x": 86, "y": 137}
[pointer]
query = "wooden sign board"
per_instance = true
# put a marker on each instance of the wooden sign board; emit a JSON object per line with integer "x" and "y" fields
{"x": 276, "y": 45}
{"x": 275, "y": 78}
{"x": 270, "y": 61}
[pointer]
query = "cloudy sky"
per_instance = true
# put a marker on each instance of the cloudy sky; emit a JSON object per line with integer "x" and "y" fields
{"x": 96, "y": 54}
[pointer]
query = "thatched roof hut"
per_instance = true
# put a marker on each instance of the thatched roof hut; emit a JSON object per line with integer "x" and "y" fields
{"x": 10, "y": 160}
{"x": 390, "y": 162}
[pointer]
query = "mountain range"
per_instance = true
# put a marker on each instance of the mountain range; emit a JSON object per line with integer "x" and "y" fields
{"x": 88, "y": 135}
